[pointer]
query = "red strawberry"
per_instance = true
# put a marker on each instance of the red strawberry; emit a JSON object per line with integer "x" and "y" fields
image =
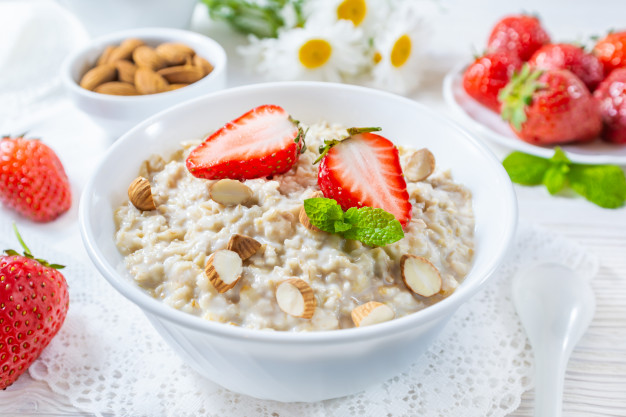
{"x": 487, "y": 75}
{"x": 32, "y": 179}
{"x": 550, "y": 107}
{"x": 33, "y": 305}
{"x": 611, "y": 51}
{"x": 364, "y": 170}
{"x": 520, "y": 34}
{"x": 611, "y": 94}
{"x": 265, "y": 141}
{"x": 570, "y": 57}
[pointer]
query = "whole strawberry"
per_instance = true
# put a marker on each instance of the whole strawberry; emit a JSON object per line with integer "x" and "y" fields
{"x": 570, "y": 57}
{"x": 262, "y": 142}
{"x": 550, "y": 107}
{"x": 611, "y": 51}
{"x": 363, "y": 169}
{"x": 519, "y": 34}
{"x": 487, "y": 75}
{"x": 611, "y": 94}
{"x": 33, "y": 305}
{"x": 32, "y": 179}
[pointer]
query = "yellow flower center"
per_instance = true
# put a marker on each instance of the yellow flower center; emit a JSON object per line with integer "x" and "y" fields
{"x": 315, "y": 53}
{"x": 401, "y": 51}
{"x": 377, "y": 57}
{"x": 354, "y": 10}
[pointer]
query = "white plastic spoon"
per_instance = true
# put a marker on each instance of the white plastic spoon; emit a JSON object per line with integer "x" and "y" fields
{"x": 556, "y": 306}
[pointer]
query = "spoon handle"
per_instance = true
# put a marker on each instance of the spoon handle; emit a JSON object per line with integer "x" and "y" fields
{"x": 550, "y": 364}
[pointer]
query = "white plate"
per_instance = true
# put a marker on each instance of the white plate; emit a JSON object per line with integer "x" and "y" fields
{"x": 489, "y": 125}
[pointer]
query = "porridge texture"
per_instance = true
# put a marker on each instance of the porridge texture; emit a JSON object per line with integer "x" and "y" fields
{"x": 166, "y": 249}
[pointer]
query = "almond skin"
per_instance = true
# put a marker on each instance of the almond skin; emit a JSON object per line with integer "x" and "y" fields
{"x": 370, "y": 313}
{"x": 117, "y": 88}
{"x": 106, "y": 55}
{"x": 420, "y": 275}
{"x": 223, "y": 269}
{"x": 149, "y": 82}
{"x": 125, "y": 50}
{"x": 174, "y": 53}
{"x": 145, "y": 56}
{"x": 245, "y": 246}
{"x": 304, "y": 219}
{"x": 200, "y": 62}
{"x": 126, "y": 71}
{"x": 140, "y": 194}
{"x": 98, "y": 75}
{"x": 186, "y": 74}
{"x": 176, "y": 86}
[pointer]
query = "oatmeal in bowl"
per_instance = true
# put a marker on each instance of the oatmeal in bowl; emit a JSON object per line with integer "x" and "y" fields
{"x": 248, "y": 303}
{"x": 297, "y": 277}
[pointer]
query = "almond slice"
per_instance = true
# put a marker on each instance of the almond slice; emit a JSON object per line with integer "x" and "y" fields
{"x": 140, "y": 194}
{"x": 245, "y": 246}
{"x": 295, "y": 297}
{"x": 420, "y": 275}
{"x": 370, "y": 313}
{"x": 420, "y": 165}
{"x": 304, "y": 219}
{"x": 223, "y": 268}
{"x": 230, "y": 192}
{"x": 98, "y": 75}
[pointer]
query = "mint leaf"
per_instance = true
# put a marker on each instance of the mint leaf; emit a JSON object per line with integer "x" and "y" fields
{"x": 604, "y": 185}
{"x": 555, "y": 178}
{"x": 373, "y": 226}
{"x": 559, "y": 156}
{"x": 525, "y": 169}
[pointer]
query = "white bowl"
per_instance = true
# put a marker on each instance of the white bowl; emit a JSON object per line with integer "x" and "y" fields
{"x": 288, "y": 366}
{"x": 117, "y": 114}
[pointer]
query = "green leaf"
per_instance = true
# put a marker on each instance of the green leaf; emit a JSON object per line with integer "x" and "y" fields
{"x": 329, "y": 143}
{"x": 373, "y": 226}
{"x": 525, "y": 169}
{"x": 555, "y": 178}
{"x": 559, "y": 156}
{"x": 518, "y": 94}
{"x": 604, "y": 185}
{"x": 323, "y": 213}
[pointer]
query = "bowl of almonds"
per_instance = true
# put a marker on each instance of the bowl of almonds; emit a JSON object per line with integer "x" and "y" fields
{"x": 124, "y": 77}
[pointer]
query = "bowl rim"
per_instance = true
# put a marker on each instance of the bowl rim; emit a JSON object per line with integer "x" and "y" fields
{"x": 172, "y": 34}
{"x": 441, "y": 310}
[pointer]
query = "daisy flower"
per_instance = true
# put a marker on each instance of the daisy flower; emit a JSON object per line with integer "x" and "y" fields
{"x": 364, "y": 14}
{"x": 397, "y": 50}
{"x": 335, "y": 52}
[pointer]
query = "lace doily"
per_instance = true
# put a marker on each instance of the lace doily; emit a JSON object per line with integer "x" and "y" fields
{"x": 108, "y": 359}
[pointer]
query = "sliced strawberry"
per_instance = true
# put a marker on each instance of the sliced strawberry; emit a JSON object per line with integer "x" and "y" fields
{"x": 364, "y": 170}
{"x": 264, "y": 141}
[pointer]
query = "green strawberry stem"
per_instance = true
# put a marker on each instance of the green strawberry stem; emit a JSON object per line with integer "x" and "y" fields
{"x": 329, "y": 143}
{"x": 27, "y": 252}
{"x": 518, "y": 94}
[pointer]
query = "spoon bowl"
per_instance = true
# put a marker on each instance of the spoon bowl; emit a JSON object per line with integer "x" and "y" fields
{"x": 556, "y": 306}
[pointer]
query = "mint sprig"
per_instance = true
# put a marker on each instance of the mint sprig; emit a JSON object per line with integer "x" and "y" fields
{"x": 372, "y": 226}
{"x": 604, "y": 185}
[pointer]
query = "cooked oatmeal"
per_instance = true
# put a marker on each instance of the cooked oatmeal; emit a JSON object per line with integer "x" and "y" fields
{"x": 166, "y": 249}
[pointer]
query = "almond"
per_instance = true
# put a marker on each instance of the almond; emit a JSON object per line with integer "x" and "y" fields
{"x": 98, "y": 75}
{"x": 295, "y": 297}
{"x": 304, "y": 219}
{"x": 182, "y": 74}
{"x": 174, "y": 53}
{"x": 106, "y": 55}
{"x": 173, "y": 87}
{"x": 200, "y": 62}
{"x": 370, "y": 313}
{"x": 230, "y": 192}
{"x": 117, "y": 88}
{"x": 245, "y": 246}
{"x": 145, "y": 56}
{"x": 140, "y": 194}
{"x": 420, "y": 275}
{"x": 126, "y": 71}
{"x": 125, "y": 50}
{"x": 420, "y": 165}
{"x": 149, "y": 82}
{"x": 223, "y": 268}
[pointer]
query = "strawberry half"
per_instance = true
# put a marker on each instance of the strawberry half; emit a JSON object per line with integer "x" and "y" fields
{"x": 264, "y": 141}
{"x": 364, "y": 170}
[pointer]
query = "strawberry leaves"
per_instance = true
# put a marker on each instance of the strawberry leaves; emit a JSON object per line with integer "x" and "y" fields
{"x": 518, "y": 94}
{"x": 27, "y": 252}
{"x": 329, "y": 143}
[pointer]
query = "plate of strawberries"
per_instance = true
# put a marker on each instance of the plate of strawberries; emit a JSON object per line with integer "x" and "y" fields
{"x": 529, "y": 94}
